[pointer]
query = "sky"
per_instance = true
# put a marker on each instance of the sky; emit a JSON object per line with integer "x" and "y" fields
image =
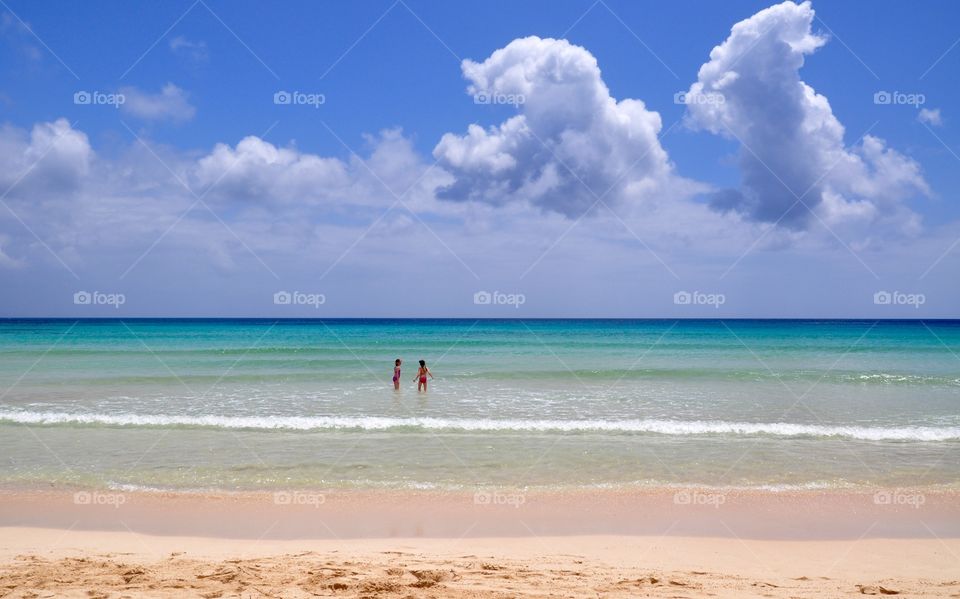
{"x": 479, "y": 159}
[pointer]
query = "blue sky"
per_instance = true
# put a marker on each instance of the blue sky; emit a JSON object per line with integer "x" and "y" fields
{"x": 158, "y": 201}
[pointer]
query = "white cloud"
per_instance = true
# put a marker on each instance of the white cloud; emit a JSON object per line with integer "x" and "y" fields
{"x": 5, "y": 260}
{"x": 791, "y": 143}
{"x": 571, "y": 141}
{"x": 17, "y": 34}
{"x": 172, "y": 103}
{"x": 195, "y": 51}
{"x": 53, "y": 158}
{"x": 930, "y": 116}
{"x": 256, "y": 169}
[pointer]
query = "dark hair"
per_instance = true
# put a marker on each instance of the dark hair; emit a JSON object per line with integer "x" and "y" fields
{"x": 423, "y": 362}
{"x": 397, "y": 362}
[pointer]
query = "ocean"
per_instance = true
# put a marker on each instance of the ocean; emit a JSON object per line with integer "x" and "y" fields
{"x": 198, "y": 405}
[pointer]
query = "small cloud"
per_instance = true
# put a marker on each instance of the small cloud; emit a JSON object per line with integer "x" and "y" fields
{"x": 19, "y": 35}
{"x": 195, "y": 51}
{"x": 8, "y": 23}
{"x": 170, "y": 104}
{"x": 930, "y": 116}
{"x": 6, "y": 261}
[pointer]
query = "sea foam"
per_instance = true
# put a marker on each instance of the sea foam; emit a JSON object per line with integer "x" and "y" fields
{"x": 381, "y": 423}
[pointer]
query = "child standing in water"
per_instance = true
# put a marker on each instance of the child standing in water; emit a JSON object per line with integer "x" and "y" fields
{"x": 396, "y": 374}
{"x": 422, "y": 376}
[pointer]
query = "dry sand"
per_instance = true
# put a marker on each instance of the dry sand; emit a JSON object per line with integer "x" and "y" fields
{"x": 89, "y": 558}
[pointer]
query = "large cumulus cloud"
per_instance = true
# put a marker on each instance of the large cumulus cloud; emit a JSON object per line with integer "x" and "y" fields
{"x": 570, "y": 143}
{"x": 792, "y": 154}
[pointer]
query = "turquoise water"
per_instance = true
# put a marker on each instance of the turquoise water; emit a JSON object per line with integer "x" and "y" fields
{"x": 251, "y": 404}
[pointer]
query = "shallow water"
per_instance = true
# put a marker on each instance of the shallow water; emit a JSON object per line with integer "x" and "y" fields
{"x": 239, "y": 404}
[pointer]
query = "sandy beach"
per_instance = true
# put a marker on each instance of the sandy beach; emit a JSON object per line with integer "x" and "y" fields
{"x": 55, "y": 563}
{"x": 364, "y": 544}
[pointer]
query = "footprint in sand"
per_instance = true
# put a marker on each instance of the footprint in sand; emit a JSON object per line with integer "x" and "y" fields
{"x": 427, "y": 578}
{"x": 876, "y": 590}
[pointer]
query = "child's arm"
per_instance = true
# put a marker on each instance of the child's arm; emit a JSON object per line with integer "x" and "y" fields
{"x": 430, "y": 373}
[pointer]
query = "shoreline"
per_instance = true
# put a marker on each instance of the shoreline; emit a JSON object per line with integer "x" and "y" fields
{"x": 810, "y": 515}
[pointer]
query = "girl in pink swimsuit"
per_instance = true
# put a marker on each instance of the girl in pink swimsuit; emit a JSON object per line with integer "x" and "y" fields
{"x": 422, "y": 376}
{"x": 396, "y": 374}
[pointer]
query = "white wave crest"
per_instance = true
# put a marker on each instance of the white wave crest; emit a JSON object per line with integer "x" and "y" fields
{"x": 379, "y": 423}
